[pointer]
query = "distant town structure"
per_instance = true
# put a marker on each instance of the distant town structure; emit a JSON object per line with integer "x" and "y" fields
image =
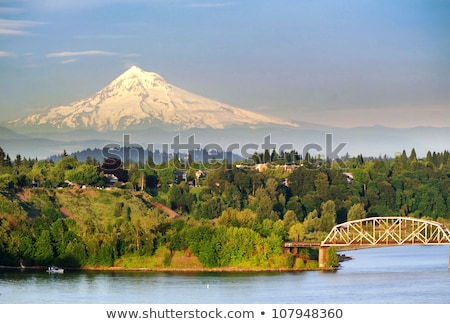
{"x": 261, "y": 167}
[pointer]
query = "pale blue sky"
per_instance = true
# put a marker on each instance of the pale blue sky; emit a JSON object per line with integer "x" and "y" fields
{"x": 338, "y": 62}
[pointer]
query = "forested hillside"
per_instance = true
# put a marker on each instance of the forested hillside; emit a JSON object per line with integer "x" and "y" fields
{"x": 75, "y": 214}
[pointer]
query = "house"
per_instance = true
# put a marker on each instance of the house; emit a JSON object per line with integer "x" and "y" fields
{"x": 287, "y": 167}
{"x": 111, "y": 178}
{"x": 261, "y": 167}
{"x": 349, "y": 176}
{"x": 113, "y": 170}
{"x": 199, "y": 174}
{"x": 180, "y": 176}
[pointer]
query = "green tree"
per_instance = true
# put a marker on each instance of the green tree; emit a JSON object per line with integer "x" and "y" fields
{"x": 75, "y": 254}
{"x": 332, "y": 257}
{"x": 57, "y": 173}
{"x": 312, "y": 222}
{"x": 357, "y": 211}
{"x": 211, "y": 208}
{"x": 43, "y": 248}
{"x": 247, "y": 218}
{"x": 413, "y": 156}
{"x": 6, "y": 181}
{"x": 180, "y": 198}
{"x": 83, "y": 174}
{"x": 294, "y": 204}
{"x": 297, "y": 232}
{"x": 58, "y": 231}
{"x": 233, "y": 196}
{"x": 289, "y": 219}
{"x": 202, "y": 243}
{"x": 262, "y": 204}
{"x": 328, "y": 216}
{"x": 321, "y": 185}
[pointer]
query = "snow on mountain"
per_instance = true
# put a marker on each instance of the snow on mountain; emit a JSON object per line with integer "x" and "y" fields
{"x": 138, "y": 99}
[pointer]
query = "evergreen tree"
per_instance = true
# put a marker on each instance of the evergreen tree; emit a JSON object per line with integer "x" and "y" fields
{"x": 413, "y": 156}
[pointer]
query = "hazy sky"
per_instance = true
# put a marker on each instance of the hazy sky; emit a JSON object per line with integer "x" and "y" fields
{"x": 338, "y": 62}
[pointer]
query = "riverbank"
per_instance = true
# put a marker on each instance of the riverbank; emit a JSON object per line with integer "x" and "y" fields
{"x": 206, "y": 270}
{"x": 183, "y": 262}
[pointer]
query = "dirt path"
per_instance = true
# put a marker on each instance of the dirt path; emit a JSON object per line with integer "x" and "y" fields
{"x": 170, "y": 212}
{"x": 65, "y": 212}
{"x": 148, "y": 199}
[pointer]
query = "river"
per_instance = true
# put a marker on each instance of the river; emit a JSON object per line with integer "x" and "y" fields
{"x": 389, "y": 275}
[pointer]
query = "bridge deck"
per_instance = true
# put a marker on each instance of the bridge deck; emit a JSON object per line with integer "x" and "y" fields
{"x": 301, "y": 244}
{"x": 342, "y": 244}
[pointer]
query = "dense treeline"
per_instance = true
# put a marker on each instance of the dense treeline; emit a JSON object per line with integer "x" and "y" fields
{"x": 231, "y": 216}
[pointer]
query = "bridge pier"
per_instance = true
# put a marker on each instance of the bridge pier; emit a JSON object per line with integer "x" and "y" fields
{"x": 323, "y": 257}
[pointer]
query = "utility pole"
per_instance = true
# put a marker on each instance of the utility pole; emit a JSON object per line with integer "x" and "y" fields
{"x": 142, "y": 181}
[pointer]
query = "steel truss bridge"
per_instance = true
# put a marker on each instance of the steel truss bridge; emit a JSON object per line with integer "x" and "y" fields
{"x": 387, "y": 231}
{"x": 379, "y": 232}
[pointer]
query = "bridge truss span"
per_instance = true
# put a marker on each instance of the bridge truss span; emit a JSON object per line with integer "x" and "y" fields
{"x": 385, "y": 231}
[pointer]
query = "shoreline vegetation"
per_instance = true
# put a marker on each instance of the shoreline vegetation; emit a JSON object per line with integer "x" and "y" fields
{"x": 177, "y": 270}
{"x": 198, "y": 268}
{"x": 194, "y": 266}
{"x": 183, "y": 215}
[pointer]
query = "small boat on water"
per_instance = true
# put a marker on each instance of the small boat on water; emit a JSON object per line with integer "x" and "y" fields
{"x": 54, "y": 269}
{"x": 343, "y": 257}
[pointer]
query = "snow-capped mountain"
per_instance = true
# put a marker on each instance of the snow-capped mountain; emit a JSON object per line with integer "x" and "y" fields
{"x": 138, "y": 99}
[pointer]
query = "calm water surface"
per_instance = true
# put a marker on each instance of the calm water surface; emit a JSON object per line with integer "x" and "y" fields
{"x": 406, "y": 274}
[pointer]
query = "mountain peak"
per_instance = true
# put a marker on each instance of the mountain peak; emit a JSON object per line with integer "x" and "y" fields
{"x": 135, "y": 69}
{"x": 136, "y": 79}
{"x": 137, "y": 72}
